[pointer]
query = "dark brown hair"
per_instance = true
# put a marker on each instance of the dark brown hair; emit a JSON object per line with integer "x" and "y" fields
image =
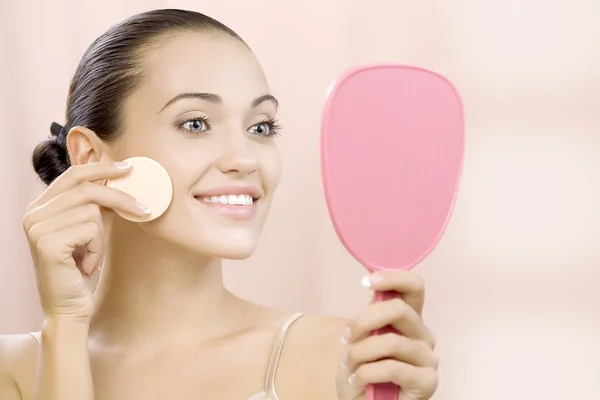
{"x": 108, "y": 72}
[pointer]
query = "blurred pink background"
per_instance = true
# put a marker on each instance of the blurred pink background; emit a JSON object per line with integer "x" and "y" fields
{"x": 512, "y": 286}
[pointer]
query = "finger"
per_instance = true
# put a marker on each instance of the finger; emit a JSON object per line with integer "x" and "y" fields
{"x": 409, "y": 283}
{"x": 419, "y": 380}
{"x": 393, "y": 312}
{"x": 78, "y": 174}
{"x": 58, "y": 248}
{"x": 390, "y": 346}
{"x": 85, "y": 193}
{"x": 69, "y": 218}
{"x": 92, "y": 259}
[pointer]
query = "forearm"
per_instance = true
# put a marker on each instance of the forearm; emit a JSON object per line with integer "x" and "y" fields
{"x": 64, "y": 371}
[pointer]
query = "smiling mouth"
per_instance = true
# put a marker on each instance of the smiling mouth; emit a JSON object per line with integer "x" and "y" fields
{"x": 229, "y": 199}
{"x": 237, "y": 207}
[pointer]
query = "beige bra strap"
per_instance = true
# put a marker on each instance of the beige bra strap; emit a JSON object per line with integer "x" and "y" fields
{"x": 277, "y": 348}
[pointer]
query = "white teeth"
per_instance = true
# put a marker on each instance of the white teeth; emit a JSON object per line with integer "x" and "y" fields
{"x": 241, "y": 200}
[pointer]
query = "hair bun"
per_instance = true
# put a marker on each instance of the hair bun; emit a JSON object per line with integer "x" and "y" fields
{"x": 50, "y": 160}
{"x": 56, "y": 129}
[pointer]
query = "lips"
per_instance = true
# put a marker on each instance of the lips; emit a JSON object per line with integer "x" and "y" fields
{"x": 227, "y": 191}
{"x": 234, "y": 202}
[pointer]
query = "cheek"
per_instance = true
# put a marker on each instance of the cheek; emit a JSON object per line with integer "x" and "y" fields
{"x": 184, "y": 161}
{"x": 184, "y": 173}
{"x": 270, "y": 168}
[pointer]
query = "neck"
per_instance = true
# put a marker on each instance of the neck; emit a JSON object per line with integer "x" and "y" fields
{"x": 151, "y": 290}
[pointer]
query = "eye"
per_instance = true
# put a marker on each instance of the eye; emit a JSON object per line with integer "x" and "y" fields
{"x": 195, "y": 125}
{"x": 267, "y": 129}
{"x": 260, "y": 129}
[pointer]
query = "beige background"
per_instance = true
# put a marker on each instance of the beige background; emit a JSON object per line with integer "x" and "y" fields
{"x": 512, "y": 287}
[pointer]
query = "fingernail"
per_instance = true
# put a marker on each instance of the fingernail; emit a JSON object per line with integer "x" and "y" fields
{"x": 346, "y": 335}
{"x": 345, "y": 360}
{"x": 351, "y": 379}
{"x": 122, "y": 164}
{"x": 142, "y": 208}
{"x": 370, "y": 281}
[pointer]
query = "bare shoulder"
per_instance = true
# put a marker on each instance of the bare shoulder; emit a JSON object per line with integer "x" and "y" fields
{"x": 311, "y": 357}
{"x": 320, "y": 330}
{"x": 18, "y": 360}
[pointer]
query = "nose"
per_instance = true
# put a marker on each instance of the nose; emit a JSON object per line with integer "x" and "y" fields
{"x": 237, "y": 157}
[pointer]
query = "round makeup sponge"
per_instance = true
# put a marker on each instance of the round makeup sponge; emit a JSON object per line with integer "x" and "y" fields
{"x": 149, "y": 183}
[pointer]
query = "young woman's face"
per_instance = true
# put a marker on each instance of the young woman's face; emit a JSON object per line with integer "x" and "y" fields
{"x": 205, "y": 112}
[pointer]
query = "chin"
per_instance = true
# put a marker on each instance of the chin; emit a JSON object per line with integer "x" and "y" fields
{"x": 232, "y": 248}
{"x": 233, "y": 243}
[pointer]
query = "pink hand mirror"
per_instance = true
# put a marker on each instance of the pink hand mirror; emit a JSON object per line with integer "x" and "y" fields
{"x": 391, "y": 151}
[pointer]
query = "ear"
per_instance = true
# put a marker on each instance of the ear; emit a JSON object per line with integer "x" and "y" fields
{"x": 84, "y": 146}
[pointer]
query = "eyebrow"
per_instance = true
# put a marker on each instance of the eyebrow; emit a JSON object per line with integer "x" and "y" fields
{"x": 216, "y": 99}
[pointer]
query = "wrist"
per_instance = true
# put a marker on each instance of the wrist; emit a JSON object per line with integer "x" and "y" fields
{"x": 64, "y": 370}
{"x": 67, "y": 320}
{"x": 72, "y": 327}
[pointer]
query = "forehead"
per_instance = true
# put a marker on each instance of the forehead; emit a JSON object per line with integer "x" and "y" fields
{"x": 196, "y": 62}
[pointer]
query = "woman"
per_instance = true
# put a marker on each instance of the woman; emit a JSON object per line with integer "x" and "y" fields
{"x": 185, "y": 90}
